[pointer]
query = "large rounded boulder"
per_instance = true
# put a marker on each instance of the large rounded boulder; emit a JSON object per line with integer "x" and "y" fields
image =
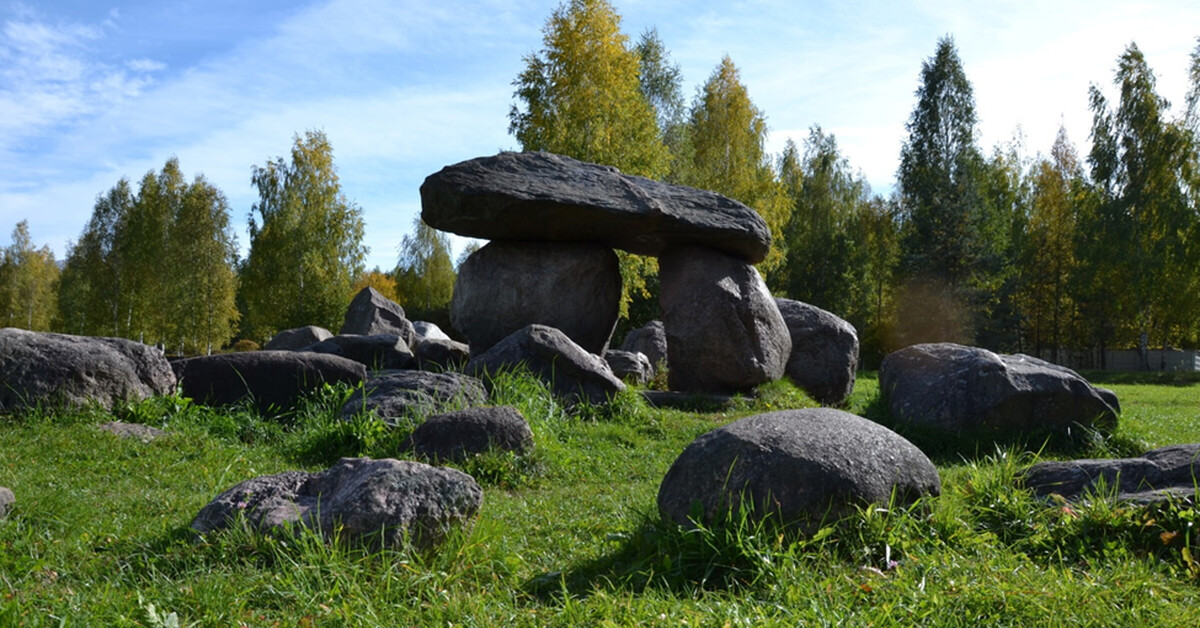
{"x": 968, "y": 390}
{"x": 796, "y": 468}
{"x": 272, "y": 380}
{"x": 455, "y": 436}
{"x": 824, "y": 354}
{"x": 572, "y": 374}
{"x": 44, "y": 369}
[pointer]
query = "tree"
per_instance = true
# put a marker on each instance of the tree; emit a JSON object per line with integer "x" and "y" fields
{"x": 425, "y": 273}
{"x": 305, "y": 246}
{"x": 942, "y": 203}
{"x": 726, "y": 137}
{"x": 203, "y": 253}
{"x": 28, "y": 283}
{"x": 92, "y": 298}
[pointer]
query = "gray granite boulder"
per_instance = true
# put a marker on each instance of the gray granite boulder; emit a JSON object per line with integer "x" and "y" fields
{"x": 387, "y": 503}
{"x": 60, "y": 370}
{"x": 396, "y": 396}
{"x": 724, "y": 331}
{"x": 433, "y": 354}
{"x": 455, "y": 436}
{"x": 571, "y": 373}
{"x": 1161, "y": 475}
{"x": 7, "y": 499}
{"x": 429, "y": 331}
{"x": 273, "y": 380}
{"x": 801, "y": 467}
{"x": 650, "y": 340}
{"x": 298, "y": 338}
{"x": 376, "y": 352}
{"x": 625, "y": 365}
{"x": 965, "y": 390}
{"x": 504, "y": 286}
{"x": 824, "y": 355}
{"x": 372, "y": 313}
{"x": 550, "y": 198}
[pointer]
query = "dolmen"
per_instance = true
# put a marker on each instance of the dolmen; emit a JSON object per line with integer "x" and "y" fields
{"x": 971, "y": 391}
{"x": 553, "y": 222}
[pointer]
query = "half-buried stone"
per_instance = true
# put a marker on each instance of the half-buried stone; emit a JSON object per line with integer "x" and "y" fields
{"x": 972, "y": 391}
{"x": 397, "y": 396}
{"x": 572, "y": 374}
{"x": 504, "y": 286}
{"x": 455, "y": 436}
{"x": 7, "y": 499}
{"x": 272, "y": 380}
{"x": 724, "y": 331}
{"x": 799, "y": 468}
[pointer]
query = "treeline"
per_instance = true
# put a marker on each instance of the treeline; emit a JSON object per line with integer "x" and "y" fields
{"x": 1042, "y": 254}
{"x": 1015, "y": 253}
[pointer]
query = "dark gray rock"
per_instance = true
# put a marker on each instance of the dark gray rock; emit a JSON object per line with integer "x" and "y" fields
{"x": 504, "y": 286}
{"x": 385, "y": 502}
{"x": 572, "y": 373}
{"x": 551, "y": 198}
{"x": 724, "y": 331}
{"x": 457, "y": 435}
{"x": 376, "y": 352}
{"x": 403, "y": 395}
{"x": 649, "y": 340}
{"x": 1156, "y": 476}
{"x": 967, "y": 390}
{"x": 372, "y": 313}
{"x": 824, "y": 355}
{"x": 634, "y": 367}
{"x": 273, "y": 380}
{"x": 441, "y": 355}
{"x": 429, "y": 331}
{"x": 59, "y": 370}
{"x": 298, "y": 338}
{"x": 7, "y": 499}
{"x": 120, "y": 429}
{"x": 803, "y": 467}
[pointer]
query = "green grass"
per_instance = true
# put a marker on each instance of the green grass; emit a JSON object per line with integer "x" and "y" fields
{"x": 569, "y": 534}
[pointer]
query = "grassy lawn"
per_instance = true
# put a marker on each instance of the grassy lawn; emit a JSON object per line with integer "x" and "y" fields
{"x": 569, "y": 534}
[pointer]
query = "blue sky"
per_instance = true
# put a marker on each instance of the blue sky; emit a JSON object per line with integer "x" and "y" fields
{"x": 93, "y": 91}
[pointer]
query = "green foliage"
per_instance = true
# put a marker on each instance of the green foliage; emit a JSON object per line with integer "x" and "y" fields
{"x": 28, "y": 283}
{"x": 305, "y": 245}
{"x": 424, "y": 275}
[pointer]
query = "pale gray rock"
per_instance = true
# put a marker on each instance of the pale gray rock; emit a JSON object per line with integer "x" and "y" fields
{"x": 429, "y": 331}
{"x": 572, "y": 373}
{"x": 120, "y": 429}
{"x": 372, "y": 313}
{"x": 650, "y": 340}
{"x": 7, "y": 499}
{"x": 298, "y": 338}
{"x": 1157, "y": 476}
{"x": 824, "y": 355}
{"x": 625, "y": 365}
{"x": 397, "y": 396}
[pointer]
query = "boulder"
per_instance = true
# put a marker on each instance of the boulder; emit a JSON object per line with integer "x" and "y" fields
{"x": 7, "y": 499}
{"x": 724, "y": 332}
{"x": 635, "y": 367}
{"x": 274, "y": 380}
{"x": 123, "y": 430}
{"x": 545, "y": 197}
{"x": 376, "y": 352}
{"x": 386, "y": 502}
{"x": 801, "y": 467}
{"x": 504, "y": 286}
{"x": 824, "y": 354}
{"x": 402, "y": 395}
{"x": 1157, "y": 476}
{"x": 433, "y": 354}
{"x": 52, "y": 370}
{"x": 429, "y": 331}
{"x": 372, "y": 313}
{"x": 650, "y": 340}
{"x": 571, "y": 373}
{"x": 457, "y": 435}
{"x": 298, "y": 338}
{"x": 967, "y": 390}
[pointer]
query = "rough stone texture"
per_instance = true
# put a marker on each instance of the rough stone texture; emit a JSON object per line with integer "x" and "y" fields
{"x": 7, "y": 499}
{"x": 62, "y": 370}
{"x": 120, "y": 429}
{"x": 439, "y": 355}
{"x": 802, "y": 466}
{"x": 724, "y": 332}
{"x": 649, "y": 340}
{"x": 457, "y": 435}
{"x": 274, "y": 380}
{"x": 298, "y": 338}
{"x": 824, "y": 354}
{"x": 629, "y": 366}
{"x": 546, "y": 197}
{"x": 966, "y": 389}
{"x": 505, "y": 286}
{"x": 376, "y": 352}
{"x": 572, "y": 373}
{"x": 402, "y": 395}
{"x": 1154, "y": 477}
{"x": 357, "y": 498}
{"x": 429, "y": 331}
{"x": 372, "y": 313}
